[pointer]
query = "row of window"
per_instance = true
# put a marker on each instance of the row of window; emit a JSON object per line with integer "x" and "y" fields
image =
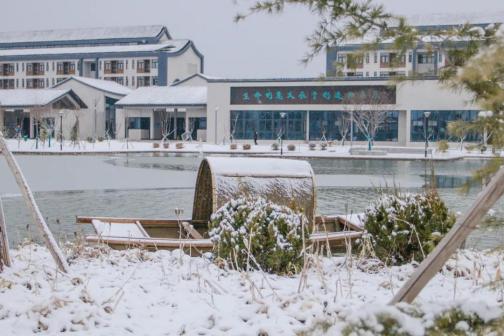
{"x": 38, "y": 68}
{"x": 140, "y": 81}
{"x": 334, "y": 125}
{"x": 29, "y": 83}
{"x": 387, "y": 58}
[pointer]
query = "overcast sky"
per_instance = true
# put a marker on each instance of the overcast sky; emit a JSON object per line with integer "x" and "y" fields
{"x": 261, "y": 46}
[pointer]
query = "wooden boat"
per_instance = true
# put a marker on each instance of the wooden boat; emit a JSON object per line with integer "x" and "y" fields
{"x": 220, "y": 179}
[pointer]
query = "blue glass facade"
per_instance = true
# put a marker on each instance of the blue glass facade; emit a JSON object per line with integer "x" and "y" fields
{"x": 438, "y": 124}
{"x": 268, "y": 124}
{"x": 330, "y": 121}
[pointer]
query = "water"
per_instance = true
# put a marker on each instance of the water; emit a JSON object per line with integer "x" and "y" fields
{"x": 153, "y": 186}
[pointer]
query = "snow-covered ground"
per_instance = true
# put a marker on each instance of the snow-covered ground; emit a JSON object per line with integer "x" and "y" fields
{"x": 301, "y": 150}
{"x": 141, "y": 293}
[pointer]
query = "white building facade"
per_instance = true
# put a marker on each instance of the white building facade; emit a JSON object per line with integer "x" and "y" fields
{"x": 131, "y": 56}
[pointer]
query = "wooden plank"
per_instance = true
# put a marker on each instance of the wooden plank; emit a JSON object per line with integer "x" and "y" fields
{"x": 334, "y": 236}
{"x": 452, "y": 241}
{"x": 4, "y": 242}
{"x": 190, "y": 229}
{"x": 37, "y": 217}
{"x": 159, "y": 242}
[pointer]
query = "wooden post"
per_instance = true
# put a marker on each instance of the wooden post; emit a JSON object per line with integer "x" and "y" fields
{"x": 32, "y": 205}
{"x": 4, "y": 242}
{"x": 452, "y": 241}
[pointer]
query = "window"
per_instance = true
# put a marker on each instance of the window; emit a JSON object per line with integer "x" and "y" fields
{"x": 438, "y": 124}
{"x": 126, "y": 80}
{"x": 375, "y": 74}
{"x": 22, "y": 82}
{"x": 440, "y": 57}
{"x": 93, "y": 67}
{"x": 133, "y": 81}
{"x": 133, "y": 64}
{"x": 384, "y": 58}
{"x": 52, "y": 66}
{"x": 53, "y": 82}
{"x": 341, "y": 59}
{"x": 139, "y": 123}
{"x": 425, "y": 58}
{"x": 17, "y": 67}
{"x": 367, "y": 58}
{"x": 268, "y": 124}
{"x": 376, "y": 58}
{"x": 22, "y": 65}
{"x": 367, "y": 74}
{"x": 47, "y": 82}
{"x": 155, "y": 80}
{"x": 410, "y": 57}
{"x": 154, "y": 64}
{"x": 17, "y": 83}
{"x": 100, "y": 65}
{"x": 126, "y": 64}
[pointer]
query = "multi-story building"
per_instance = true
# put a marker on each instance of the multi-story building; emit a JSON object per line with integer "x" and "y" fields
{"x": 132, "y": 56}
{"x": 350, "y": 59}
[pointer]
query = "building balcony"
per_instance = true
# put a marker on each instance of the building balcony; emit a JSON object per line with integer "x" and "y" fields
{"x": 66, "y": 72}
{"x": 144, "y": 70}
{"x": 6, "y": 73}
{"x": 113, "y": 71}
{"x": 35, "y": 72}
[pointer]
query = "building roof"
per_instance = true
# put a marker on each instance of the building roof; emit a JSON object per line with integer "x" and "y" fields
{"x": 200, "y": 75}
{"x": 100, "y": 84}
{"x": 84, "y": 34}
{"x": 166, "y": 96}
{"x": 35, "y": 97}
{"x": 172, "y": 47}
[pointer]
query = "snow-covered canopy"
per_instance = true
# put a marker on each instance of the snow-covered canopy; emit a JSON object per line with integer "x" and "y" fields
{"x": 285, "y": 182}
{"x": 161, "y": 96}
{"x": 20, "y": 98}
{"x": 100, "y": 84}
{"x": 172, "y": 46}
{"x": 99, "y": 33}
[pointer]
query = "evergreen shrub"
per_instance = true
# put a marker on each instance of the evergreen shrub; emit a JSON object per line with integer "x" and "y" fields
{"x": 407, "y": 227}
{"x": 442, "y": 146}
{"x": 271, "y": 233}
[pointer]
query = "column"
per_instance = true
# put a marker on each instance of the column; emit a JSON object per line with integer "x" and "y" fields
{"x": 307, "y": 126}
{"x": 402, "y": 136}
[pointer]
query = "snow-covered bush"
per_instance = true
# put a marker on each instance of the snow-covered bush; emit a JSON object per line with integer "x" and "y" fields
{"x": 256, "y": 231}
{"x": 407, "y": 227}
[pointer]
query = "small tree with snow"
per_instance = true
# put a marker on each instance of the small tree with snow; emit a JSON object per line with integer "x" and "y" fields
{"x": 253, "y": 233}
{"x": 407, "y": 227}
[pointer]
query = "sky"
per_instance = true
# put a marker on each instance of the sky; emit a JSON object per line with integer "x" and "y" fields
{"x": 261, "y": 46}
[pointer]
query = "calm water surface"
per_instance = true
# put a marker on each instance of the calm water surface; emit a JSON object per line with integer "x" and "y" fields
{"x": 149, "y": 186}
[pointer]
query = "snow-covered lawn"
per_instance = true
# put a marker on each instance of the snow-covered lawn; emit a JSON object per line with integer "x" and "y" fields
{"x": 141, "y": 293}
{"x": 301, "y": 150}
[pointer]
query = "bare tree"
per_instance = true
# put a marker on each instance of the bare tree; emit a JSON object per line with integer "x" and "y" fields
{"x": 344, "y": 124}
{"x": 370, "y": 111}
{"x": 166, "y": 125}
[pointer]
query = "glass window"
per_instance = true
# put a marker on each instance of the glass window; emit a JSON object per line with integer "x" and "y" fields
{"x": 334, "y": 124}
{"x": 268, "y": 124}
{"x": 139, "y": 123}
{"x": 438, "y": 124}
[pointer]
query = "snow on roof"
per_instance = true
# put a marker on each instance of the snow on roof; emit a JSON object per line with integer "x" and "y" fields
{"x": 165, "y": 96}
{"x": 98, "y": 33}
{"x": 172, "y": 46}
{"x": 435, "y": 19}
{"x": 35, "y": 97}
{"x": 269, "y": 167}
{"x": 200, "y": 75}
{"x": 100, "y": 84}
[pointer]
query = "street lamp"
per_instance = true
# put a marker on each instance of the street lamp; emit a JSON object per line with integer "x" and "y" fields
{"x": 61, "y": 130}
{"x": 282, "y": 118}
{"x": 426, "y": 125}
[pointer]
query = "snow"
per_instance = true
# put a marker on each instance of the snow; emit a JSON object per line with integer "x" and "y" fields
{"x": 98, "y": 33}
{"x": 26, "y": 98}
{"x": 172, "y": 46}
{"x": 259, "y": 167}
{"x": 201, "y": 148}
{"x": 100, "y": 84}
{"x": 165, "y": 96}
{"x": 165, "y": 293}
{"x": 123, "y": 230}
